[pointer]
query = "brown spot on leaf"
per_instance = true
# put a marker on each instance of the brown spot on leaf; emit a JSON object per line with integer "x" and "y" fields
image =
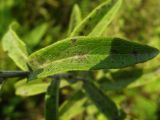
{"x": 45, "y": 80}
{"x": 122, "y": 62}
{"x": 134, "y": 53}
{"x": 73, "y": 41}
{"x": 81, "y": 57}
{"x": 114, "y": 51}
{"x": 81, "y": 33}
{"x": 112, "y": 61}
{"x": 86, "y": 27}
{"x": 90, "y": 19}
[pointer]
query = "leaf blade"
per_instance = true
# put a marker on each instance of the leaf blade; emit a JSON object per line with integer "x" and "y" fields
{"x": 72, "y": 106}
{"x": 102, "y": 102}
{"x": 52, "y": 101}
{"x": 75, "y": 18}
{"x": 35, "y": 87}
{"x": 96, "y": 22}
{"x": 15, "y": 48}
{"x": 85, "y": 53}
{"x": 106, "y": 20}
{"x": 32, "y": 38}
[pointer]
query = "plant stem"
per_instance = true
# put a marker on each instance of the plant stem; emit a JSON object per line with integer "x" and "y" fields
{"x": 11, "y": 74}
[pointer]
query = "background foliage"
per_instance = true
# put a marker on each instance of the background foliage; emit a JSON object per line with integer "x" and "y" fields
{"x": 135, "y": 89}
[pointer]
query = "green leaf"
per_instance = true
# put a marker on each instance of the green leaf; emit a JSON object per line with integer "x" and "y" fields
{"x": 120, "y": 79}
{"x": 52, "y": 101}
{"x": 6, "y": 14}
{"x": 97, "y": 21}
{"x": 15, "y": 48}
{"x": 30, "y": 88}
{"x": 128, "y": 78}
{"x": 146, "y": 78}
{"x": 153, "y": 87}
{"x": 75, "y": 18}
{"x": 103, "y": 102}
{"x": 85, "y": 53}
{"x": 72, "y": 106}
{"x": 0, "y": 86}
{"x": 148, "y": 108}
{"x": 33, "y": 38}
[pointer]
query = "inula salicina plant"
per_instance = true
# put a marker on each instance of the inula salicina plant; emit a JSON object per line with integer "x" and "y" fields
{"x": 85, "y": 51}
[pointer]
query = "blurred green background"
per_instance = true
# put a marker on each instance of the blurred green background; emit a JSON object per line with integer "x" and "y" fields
{"x": 135, "y": 89}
